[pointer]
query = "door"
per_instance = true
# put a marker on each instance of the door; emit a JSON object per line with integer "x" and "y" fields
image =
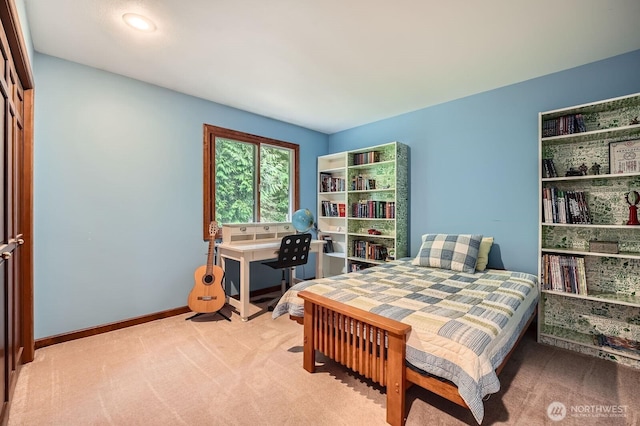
{"x": 11, "y": 157}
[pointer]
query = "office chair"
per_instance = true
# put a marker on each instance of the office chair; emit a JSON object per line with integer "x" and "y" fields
{"x": 294, "y": 251}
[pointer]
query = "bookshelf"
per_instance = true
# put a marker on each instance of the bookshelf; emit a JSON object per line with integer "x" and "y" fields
{"x": 589, "y": 266}
{"x": 362, "y": 206}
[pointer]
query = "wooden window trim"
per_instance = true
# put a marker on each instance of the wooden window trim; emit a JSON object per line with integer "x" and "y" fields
{"x": 210, "y": 133}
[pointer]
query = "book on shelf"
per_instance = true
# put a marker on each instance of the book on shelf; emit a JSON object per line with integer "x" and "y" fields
{"x": 580, "y": 124}
{"x": 564, "y": 273}
{"x": 565, "y": 125}
{"x": 371, "y": 209}
{"x": 355, "y": 267}
{"x": 328, "y": 245}
{"x": 548, "y": 168}
{"x": 559, "y": 206}
{"x": 332, "y": 209}
{"x": 369, "y": 250}
{"x": 328, "y": 183}
{"x": 618, "y": 343}
{"x": 360, "y": 183}
{"x": 366, "y": 158}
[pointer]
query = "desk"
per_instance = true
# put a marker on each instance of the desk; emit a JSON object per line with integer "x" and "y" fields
{"x": 251, "y": 252}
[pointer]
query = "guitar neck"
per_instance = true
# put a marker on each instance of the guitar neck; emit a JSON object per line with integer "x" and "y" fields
{"x": 210, "y": 256}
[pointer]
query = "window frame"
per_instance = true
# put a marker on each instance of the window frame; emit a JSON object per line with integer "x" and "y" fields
{"x": 210, "y": 133}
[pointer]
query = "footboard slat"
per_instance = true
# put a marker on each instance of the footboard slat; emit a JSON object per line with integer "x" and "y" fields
{"x": 345, "y": 339}
{"x": 319, "y": 335}
{"x": 368, "y": 344}
{"x": 383, "y": 360}
{"x": 352, "y": 348}
{"x": 339, "y": 337}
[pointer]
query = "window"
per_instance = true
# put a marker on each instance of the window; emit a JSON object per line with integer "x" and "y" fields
{"x": 248, "y": 178}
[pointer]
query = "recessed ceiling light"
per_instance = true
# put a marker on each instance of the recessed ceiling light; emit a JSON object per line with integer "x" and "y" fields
{"x": 139, "y": 22}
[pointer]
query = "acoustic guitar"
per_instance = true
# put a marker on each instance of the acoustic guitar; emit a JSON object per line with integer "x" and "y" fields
{"x": 207, "y": 294}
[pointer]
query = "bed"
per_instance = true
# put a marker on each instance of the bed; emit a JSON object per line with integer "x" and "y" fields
{"x": 402, "y": 323}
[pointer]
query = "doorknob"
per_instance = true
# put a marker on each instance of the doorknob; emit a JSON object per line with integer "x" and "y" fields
{"x": 20, "y": 241}
{"x": 6, "y": 255}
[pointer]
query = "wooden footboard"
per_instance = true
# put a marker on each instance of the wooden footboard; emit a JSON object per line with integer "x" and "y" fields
{"x": 356, "y": 338}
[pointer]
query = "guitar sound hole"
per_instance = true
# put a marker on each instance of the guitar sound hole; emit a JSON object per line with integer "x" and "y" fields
{"x": 208, "y": 279}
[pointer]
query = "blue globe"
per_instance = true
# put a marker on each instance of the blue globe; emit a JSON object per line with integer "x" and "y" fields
{"x": 302, "y": 220}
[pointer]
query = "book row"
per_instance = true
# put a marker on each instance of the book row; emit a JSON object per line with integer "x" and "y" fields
{"x": 328, "y": 183}
{"x": 565, "y": 206}
{"x": 548, "y": 168}
{"x": 366, "y": 158}
{"x": 360, "y": 183}
{"x": 332, "y": 209}
{"x": 369, "y": 250}
{"x": 565, "y": 125}
{"x": 564, "y": 273}
{"x": 370, "y": 209}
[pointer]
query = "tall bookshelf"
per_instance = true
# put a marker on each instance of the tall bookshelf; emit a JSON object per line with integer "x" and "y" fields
{"x": 589, "y": 266}
{"x": 362, "y": 206}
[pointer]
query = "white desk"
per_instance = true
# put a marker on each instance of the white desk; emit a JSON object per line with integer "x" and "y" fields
{"x": 246, "y": 253}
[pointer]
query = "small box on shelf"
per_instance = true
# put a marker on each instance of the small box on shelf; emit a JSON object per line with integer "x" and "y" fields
{"x": 604, "y": 246}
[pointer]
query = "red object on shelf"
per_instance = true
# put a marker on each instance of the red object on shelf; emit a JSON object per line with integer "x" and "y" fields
{"x": 633, "y": 216}
{"x": 633, "y": 198}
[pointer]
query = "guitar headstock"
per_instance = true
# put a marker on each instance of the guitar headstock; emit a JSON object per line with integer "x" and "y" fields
{"x": 213, "y": 228}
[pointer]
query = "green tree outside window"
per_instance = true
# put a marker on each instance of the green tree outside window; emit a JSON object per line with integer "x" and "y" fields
{"x": 248, "y": 178}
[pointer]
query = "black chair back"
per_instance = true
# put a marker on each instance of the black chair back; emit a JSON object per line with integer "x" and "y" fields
{"x": 294, "y": 250}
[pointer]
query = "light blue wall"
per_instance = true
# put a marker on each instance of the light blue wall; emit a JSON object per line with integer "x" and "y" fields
{"x": 24, "y": 26}
{"x": 118, "y": 193}
{"x": 474, "y": 161}
{"x": 118, "y": 171}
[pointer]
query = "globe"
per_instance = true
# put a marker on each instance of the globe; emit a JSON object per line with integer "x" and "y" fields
{"x": 302, "y": 220}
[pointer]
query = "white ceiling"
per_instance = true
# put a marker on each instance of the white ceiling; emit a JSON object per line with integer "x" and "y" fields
{"x": 330, "y": 65}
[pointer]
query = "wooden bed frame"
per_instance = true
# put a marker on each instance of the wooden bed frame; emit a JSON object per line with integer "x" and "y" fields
{"x": 356, "y": 339}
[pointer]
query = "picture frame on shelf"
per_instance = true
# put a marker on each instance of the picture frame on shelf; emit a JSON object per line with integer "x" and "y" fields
{"x": 328, "y": 245}
{"x": 624, "y": 156}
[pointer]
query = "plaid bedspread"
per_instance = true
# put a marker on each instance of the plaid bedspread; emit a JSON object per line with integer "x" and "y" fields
{"x": 463, "y": 325}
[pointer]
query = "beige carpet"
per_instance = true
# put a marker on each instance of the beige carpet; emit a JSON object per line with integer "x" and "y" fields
{"x": 210, "y": 371}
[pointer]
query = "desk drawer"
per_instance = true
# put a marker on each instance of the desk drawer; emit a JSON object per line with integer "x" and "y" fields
{"x": 265, "y": 231}
{"x": 232, "y": 234}
{"x": 266, "y": 228}
{"x": 286, "y": 229}
{"x": 241, "y": 230}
